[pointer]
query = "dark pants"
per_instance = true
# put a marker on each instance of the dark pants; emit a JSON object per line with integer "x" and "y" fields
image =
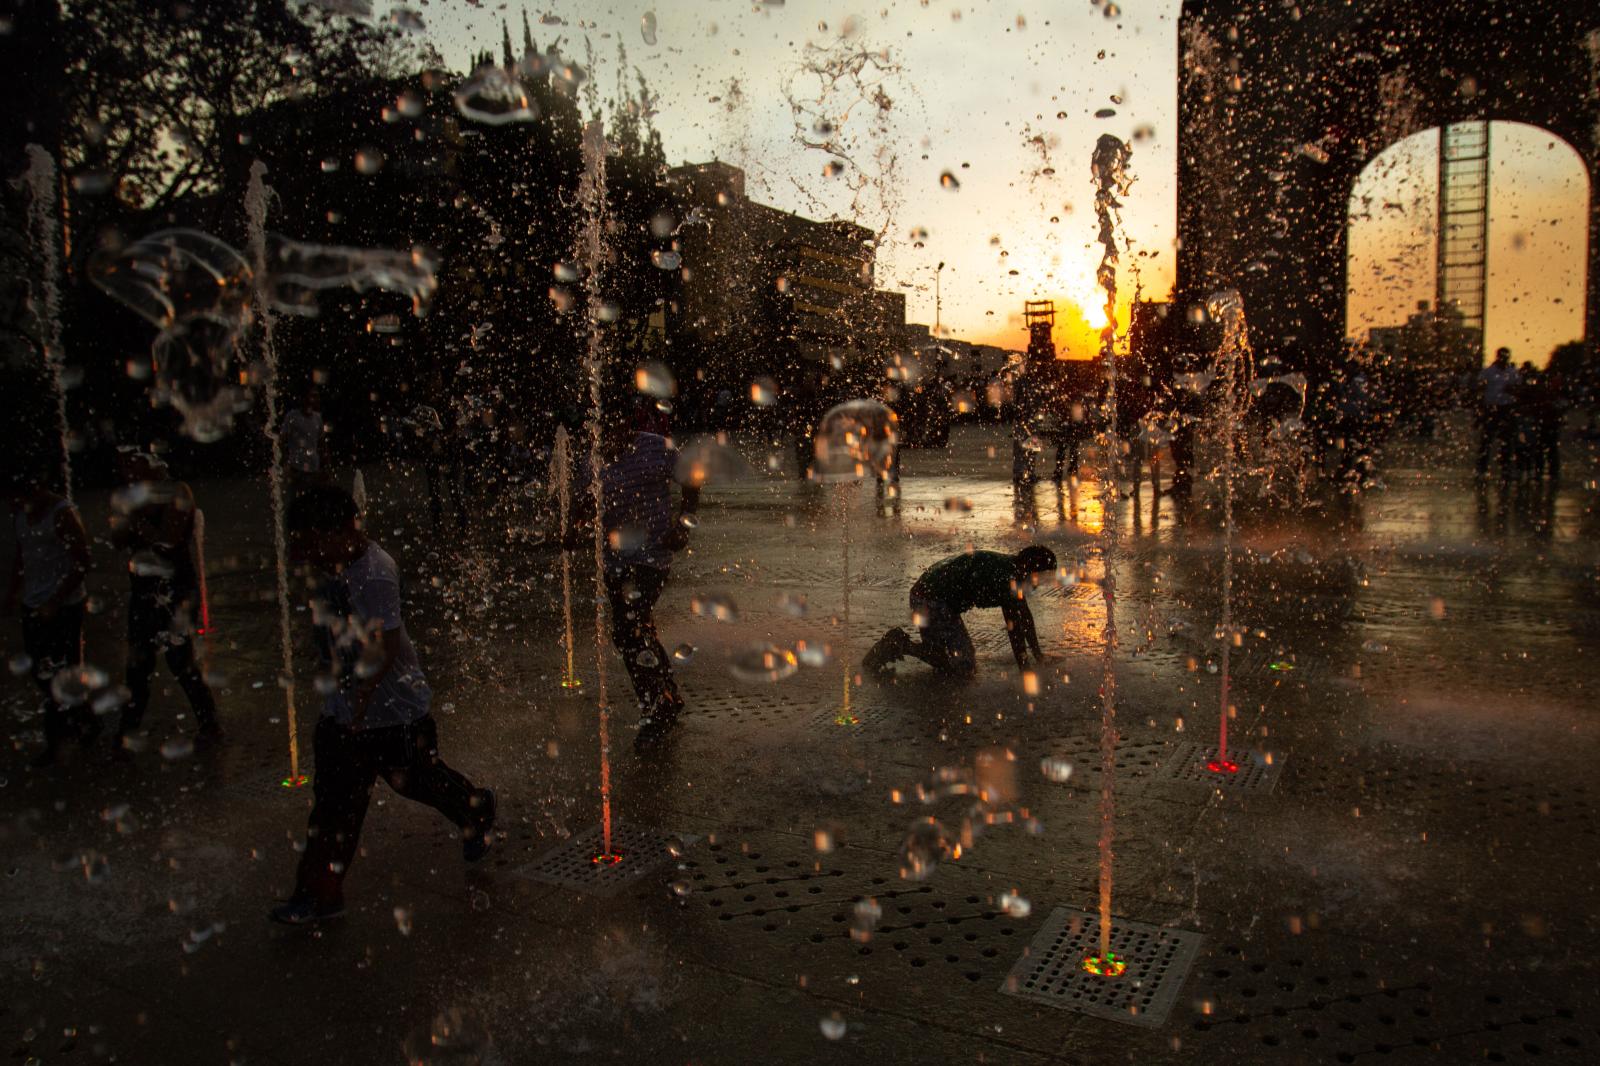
{"x": 1498, "y": 426}
{"x": 160, "y": 619}
{"x": 633, "y": 591}
{"x": 348, "y": 763}
{"x": 54, "y": 642}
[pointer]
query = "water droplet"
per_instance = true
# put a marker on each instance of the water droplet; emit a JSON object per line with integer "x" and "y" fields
{"x": 763, "y": 664}
{"x": 647, "y": 659}
{"x": 177, "y": 748}
{"x": 654, "y": 379}
{"x": 925, "y": 846}
{"x": 833, "y": 1026}
{"x": 647, "y": 27}
{"x": 369, "y": 160}
{"x": 1374, "y": 646}
{"x": 714, "y": 605}
{"x": 666, "y": 260}
{"x": 793, "y": 604}
{"x": 683, "y": 653}
{"x": 1013, "y": 905}
{"x": 495, "y": 96}
{"x": 1057, "y": 770}
{"x": 763, "y": 392}
{"x": 948, "y": 180}
{"x": 957, "y": 503}
{"x": 20, "y": 664}
{"x": 855, "y": 440}
{"x": 402, "y": 920}
{"x": 680, "y": 888}
{"x": 407, "y": 20}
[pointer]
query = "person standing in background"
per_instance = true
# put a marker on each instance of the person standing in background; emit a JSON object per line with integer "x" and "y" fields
{"x": 302, "y": 440}
{"x": 47, "y": 575}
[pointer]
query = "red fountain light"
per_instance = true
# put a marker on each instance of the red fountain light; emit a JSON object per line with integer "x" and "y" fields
{"x": 1222, "y": 766}
{"x": 606, "y": 858}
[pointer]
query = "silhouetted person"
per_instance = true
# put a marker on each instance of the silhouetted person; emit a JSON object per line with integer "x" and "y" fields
{"x": 640, "y": 533}
{"x": 302, "y": 440}
{"x": 153, "y": 520}
{"x": 375, "y": 716}
{"x": 1497, "y": 389}
{"x": 47, "y": 572}
{"x": 950, "y": 588}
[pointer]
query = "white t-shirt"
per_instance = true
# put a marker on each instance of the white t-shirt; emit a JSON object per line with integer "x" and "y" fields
{"x": 356, "y": 609}
{"x": 302, "y": 440}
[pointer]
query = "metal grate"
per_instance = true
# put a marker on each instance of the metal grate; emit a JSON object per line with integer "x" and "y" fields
{"x": 1051, "y": 970}
{"x": 1257, "y": 772}
{"x": 766, "y": 708}
{"x": 573, "y": 865}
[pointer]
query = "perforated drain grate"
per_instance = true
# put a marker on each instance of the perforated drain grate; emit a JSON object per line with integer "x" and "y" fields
{"x": 573, "y": 865}
{"x": 1051, "y": 970}
{"x": 1256, "y": 773}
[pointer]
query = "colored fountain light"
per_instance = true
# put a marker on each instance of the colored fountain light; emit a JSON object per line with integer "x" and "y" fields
{"x": 606, "y": 858}
{"x": 1106, "y": 964}
{"x": 294, "y": 781}
{"x": 571, "y": 682}
{"x": 846, "y": 717}
{"x": 1222, "y": 766}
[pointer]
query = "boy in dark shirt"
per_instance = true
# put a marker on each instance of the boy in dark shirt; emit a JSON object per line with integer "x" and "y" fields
{"x": 950, "y": 588}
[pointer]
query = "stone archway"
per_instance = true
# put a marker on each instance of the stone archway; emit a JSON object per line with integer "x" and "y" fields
{"x": 1281, "y": 106}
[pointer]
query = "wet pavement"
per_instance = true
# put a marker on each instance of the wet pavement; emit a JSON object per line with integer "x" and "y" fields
{"x": 1404, "y": 869}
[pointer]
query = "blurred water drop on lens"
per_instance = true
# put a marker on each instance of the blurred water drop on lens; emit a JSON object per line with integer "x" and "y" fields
{"x": 856, "y": 439}
{"x": 20, "y": 663}
{"x": 654, "y": 379}
{"x": 647, "y": 659}
{"x": 1057, "y": 770}
{"x": 761, "y": 664}
{"x": 495, "y": 96}
{"x": 402, "y": 920}
{"x": 948, "y": 180}
{"x": 177, "y": 748}
{"x": 74, "y": 685}
{"x": 763, "y": 392}
{"x": 666, "y": 260}
{"x": 369, "y": 160}
{"x": 706, "y": 460}
{"x": 714, "y": 605}
{"x": 833, "y": 1026}
{"x": 407, "y": 19}
{"x": 683, "y": 654}
{"x": 957, "y": 503}
{"x": 1014, "y": 905}
{"x": 924, "y": 847}
{"x": 679, "y": 888}
{"x": 456, "y": 1037}
{"x": 647, "y": 27}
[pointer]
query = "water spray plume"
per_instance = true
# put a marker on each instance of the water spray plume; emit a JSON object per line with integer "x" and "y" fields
{"x": 592, "y": 195}
{"x": 561, "y": 459}
{"x": 1111, "y": 179}
{"x": 256, "y": 199}
{"x": 42, "y": 179}
{"x": 1227, "y": 309}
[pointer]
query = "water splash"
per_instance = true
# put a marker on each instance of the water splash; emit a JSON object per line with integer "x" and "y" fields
{"x": 591, "y": 250}
{"x": 257, "y": 199}
{"x": 1227, "y": 309}
{"x": 1111, "y": 179}
{"x": 42, "y": 181}
{"x": 561, "y": 461}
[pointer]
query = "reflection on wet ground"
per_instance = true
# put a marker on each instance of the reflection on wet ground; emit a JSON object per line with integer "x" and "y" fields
{"x": 1412, "y": 679}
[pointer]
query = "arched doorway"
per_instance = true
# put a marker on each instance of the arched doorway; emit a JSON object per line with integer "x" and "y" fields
{"x": 1537, "y": 248}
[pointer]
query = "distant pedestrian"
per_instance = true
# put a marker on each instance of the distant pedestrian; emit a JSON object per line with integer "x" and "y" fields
{"x": 153, "y": 520}
{"x": 302, "y": 440}
{"x": 375, "y": 716}
{"x": 640, "y": 533}
{"x": 47, "y": 573}
{"x": 950, "y": 588}
{"x": 1497, "y": 390}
